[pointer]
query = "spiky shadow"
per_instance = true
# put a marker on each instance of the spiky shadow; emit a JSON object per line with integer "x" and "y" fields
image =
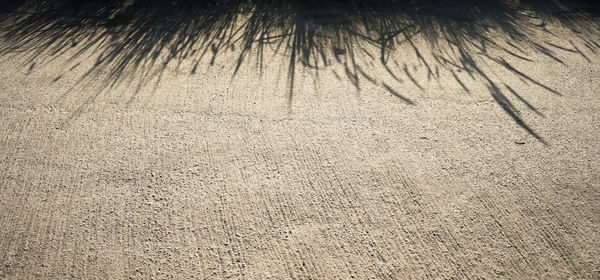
{"x": 137, "y": 39}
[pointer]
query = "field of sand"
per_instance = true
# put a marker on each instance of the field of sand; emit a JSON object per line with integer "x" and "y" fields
{"x": 186, "y": 170}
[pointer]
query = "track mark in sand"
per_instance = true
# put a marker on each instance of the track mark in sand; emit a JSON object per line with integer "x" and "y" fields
{"x": 441, "y": 242}
{"x": 13, "y": 222}
{"x": 491, "y": 209}
{"x": 232, "y": 257}
{"x": 551, "y": 229}
{"x": 6, "y": 152}
{"x": 407, "y": 235}
{"x": 559, "y": 238}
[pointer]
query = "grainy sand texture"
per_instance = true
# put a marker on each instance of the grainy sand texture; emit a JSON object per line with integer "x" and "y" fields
{"x": 280, "y": 140}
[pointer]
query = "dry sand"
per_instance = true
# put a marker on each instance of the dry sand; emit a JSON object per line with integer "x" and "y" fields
{"x": 207, "y": 176}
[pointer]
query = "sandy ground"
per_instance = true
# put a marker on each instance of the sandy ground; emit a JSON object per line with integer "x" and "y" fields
{"x": 207, "y": 176}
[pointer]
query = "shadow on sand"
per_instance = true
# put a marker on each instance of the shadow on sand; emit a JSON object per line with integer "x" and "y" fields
{"x": 141, "y": 37}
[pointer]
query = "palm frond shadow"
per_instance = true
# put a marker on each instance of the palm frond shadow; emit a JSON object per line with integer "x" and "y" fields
{"x": 137, "y": 39}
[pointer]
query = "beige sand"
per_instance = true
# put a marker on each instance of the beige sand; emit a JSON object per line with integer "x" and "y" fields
{"x": 207, "y": 176}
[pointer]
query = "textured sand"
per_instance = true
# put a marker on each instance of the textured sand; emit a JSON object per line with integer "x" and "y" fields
{"x": 207, "y": 176}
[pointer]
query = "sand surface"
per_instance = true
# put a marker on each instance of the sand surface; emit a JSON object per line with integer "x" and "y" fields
{"x": 192, "y": 172}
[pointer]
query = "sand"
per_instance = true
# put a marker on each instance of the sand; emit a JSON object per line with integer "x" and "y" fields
{"x": 204, "y": 174}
